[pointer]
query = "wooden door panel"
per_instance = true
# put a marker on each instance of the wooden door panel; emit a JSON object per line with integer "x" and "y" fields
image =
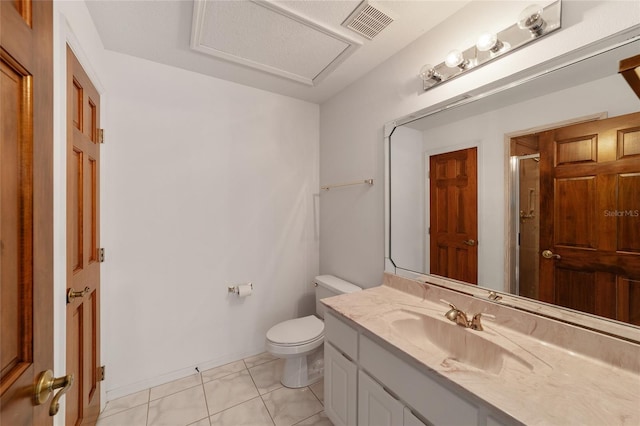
{"x": 586, "y": 291}
{"x": 583, "y": 149}
{"x": 77, "y": 104}
{"x": 92, "y": 216}
{"x": 83, "y": 204}
{"x": 26, "y": 207}
{"x": 606, "y": 294}
{"x": 460, "y": 265}
{"x": 15, "y": 223}
{"x": 18, "y": 26}
{"x": 629, "y": 300}
{"x": 74, "y": 363}
{"x": 24, "y": 9}
{"x": 456, "y": 201}
{"x": 575, "y": 212}
{"x": 590, "y": 218}
{"x": 575, "y": 289}
{"x": 629, "y": 143}
{"x": 440, "y": 221}
{"x": 75, "y": 227}
{"x": 628, "y": 212}
{"x": 440, "y": 261}
{"x": 91, "y": 347}
{"x": 453, "y": 215}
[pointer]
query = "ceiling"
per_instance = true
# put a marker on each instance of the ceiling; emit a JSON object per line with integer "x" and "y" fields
{"x": 296, "y": 48}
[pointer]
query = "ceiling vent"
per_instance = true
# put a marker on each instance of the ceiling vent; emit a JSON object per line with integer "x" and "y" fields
{"x": 367, "y": 20}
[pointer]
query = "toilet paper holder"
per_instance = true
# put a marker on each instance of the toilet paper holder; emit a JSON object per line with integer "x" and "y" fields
{"x": 236, "y": 290}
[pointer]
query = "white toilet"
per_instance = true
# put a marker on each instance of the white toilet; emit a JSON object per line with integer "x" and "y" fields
{"x": 299, "y": 341}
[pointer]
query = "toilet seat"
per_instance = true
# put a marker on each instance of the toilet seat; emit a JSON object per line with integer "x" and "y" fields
{"x": 295, "y": 332}
{"x": 297, "y": 336}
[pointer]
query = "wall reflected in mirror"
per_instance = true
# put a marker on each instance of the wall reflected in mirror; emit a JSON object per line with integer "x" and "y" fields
{"x": 586, "y": 269}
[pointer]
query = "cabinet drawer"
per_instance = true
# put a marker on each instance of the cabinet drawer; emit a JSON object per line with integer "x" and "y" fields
{"x": 341, "y": 335}
{"x": 427, "y": 397}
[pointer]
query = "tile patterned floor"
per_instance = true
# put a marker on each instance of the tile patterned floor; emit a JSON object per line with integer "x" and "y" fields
{"x": 243, "y": 393}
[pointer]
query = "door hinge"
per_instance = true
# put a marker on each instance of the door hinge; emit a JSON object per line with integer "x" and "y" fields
{"x": 100, "y": 135}
{"x": 101, "y": 373}
{"x": 100, "y": 255}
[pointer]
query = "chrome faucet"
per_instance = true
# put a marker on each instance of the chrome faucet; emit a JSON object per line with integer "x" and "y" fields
{"x": 459, "y": 317}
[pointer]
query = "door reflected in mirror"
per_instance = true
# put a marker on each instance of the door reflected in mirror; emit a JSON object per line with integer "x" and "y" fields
{"x": 558, "y": 188}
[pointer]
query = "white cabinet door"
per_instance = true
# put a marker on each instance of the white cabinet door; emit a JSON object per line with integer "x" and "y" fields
{"x": 340, "y": 387}
{"x": 423, "y": 393}
{"x": 410, "y": 419}
{"x": 375, "y": 406}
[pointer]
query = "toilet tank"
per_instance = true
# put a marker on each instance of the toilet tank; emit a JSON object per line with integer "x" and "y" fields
{"x": 327, "y": 286}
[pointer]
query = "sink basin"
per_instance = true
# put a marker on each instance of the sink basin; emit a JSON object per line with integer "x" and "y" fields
{"x": 456, "y": 343}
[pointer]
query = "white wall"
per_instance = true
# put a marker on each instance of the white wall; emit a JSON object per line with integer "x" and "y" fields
{"x": 205, "y": 184}
{"x": 208, "y": 184}
{"x": 407, "y": 192}
{"x": 352, "y": 232}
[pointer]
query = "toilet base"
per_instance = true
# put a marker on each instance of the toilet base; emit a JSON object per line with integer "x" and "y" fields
{"x": 305, "y": 370}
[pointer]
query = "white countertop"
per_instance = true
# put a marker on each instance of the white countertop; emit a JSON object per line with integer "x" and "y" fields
{"x": 542, "y": 383}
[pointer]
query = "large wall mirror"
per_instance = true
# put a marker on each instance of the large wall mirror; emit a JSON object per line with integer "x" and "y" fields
{"x": 531, "y": 189}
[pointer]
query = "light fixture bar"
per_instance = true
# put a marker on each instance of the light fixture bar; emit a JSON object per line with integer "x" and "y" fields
{"x": 533, "y": 23}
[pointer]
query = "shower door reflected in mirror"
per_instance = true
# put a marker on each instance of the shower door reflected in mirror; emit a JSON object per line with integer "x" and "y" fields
{"x": 527, "y": 173}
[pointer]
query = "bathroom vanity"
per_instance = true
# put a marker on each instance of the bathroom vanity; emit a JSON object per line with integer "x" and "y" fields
{"x": 391, "y": 357}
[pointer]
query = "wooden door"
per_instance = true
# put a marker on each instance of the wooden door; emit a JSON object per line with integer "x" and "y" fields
{"x": 590, "y": 217}
{"x": 26, "y": 207}
{"x": 454, "y": 215}
{"x": 83, "y": 263}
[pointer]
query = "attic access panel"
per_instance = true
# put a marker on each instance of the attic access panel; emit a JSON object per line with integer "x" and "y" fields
{"x": 269, "y": 38}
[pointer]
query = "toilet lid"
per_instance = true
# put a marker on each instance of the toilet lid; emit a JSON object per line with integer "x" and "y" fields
{"x": 296, "y": 331}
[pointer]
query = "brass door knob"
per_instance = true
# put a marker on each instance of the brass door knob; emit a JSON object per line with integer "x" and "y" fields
{"x": 46, "y": 385}
{"x": 470, "y": 242}
{"x": 72, "y": 294}
{"x": 548, "y": 254}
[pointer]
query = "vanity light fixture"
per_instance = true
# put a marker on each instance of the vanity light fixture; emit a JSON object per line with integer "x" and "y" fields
{"x": 533, "y": 23}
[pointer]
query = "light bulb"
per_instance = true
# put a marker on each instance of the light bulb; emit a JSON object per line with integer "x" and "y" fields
{"x": 455, "y": 59}
{"x": 427, "y": 72}
{"x": 531, "y": 19}
{"x": 489, "y": 41}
